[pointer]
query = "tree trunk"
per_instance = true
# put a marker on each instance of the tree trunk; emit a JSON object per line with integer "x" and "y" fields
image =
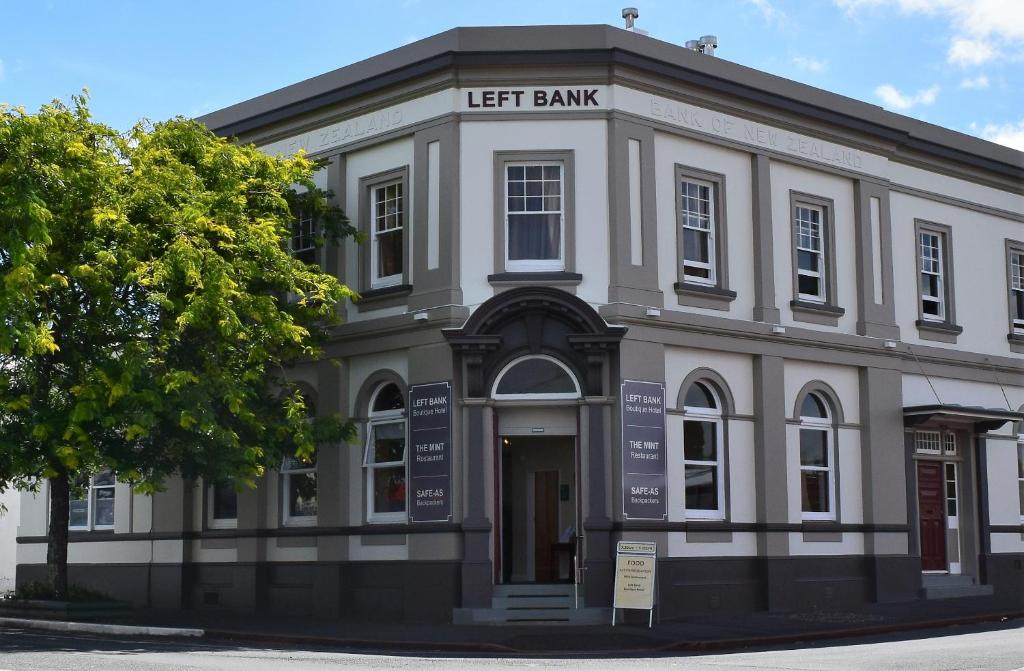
{"x": 57, "y": 539}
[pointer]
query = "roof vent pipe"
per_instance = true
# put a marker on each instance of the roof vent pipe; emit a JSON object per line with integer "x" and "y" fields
{"x": 708, "y": 44}
{"x": 631, "y": 14}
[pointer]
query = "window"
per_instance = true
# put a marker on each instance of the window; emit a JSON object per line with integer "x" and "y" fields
{"x": 536, "y": 377}
{"x": 928, "y": 442}
{"x": 298, "y": 483}
{"x": 817, "y": 468}
{"x": 302, "y": 243}
{"x": 387, "y": 246}
{"x": 933, "y": 302}
{"x": 1020, "y": 473}
{"x": 702, "y": 453}
{"x": 221, "y": 506}
{"x": 534, "y": 216}
{"x": 949, "y": 468}
{"x": 92, "y": 503}
{"x": 810, "y": 253}
{"x": 1015, "y": 260}
{"x": 698, "y": 223}
{"x": 384, "y": 458}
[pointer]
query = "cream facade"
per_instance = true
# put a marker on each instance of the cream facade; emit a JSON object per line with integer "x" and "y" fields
{"x": 823, "y": 293}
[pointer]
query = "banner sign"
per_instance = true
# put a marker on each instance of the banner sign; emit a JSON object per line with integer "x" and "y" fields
{"x": 430, "y": 464}
{"x": 635, "y": 565}
{"x": 643, "y": 451}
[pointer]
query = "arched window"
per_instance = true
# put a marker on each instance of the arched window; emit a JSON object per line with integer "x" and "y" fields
{"x": 298, "y": 484}
{"x": 703, "y": 453}
{"x": 1020, "y": 468}
{"x": 536, "y": 377}
{"x": 817, "y": 459}
{"x": 384, "y": 458}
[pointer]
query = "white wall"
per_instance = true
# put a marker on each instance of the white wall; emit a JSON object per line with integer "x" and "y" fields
{"x": 8, "y": 533}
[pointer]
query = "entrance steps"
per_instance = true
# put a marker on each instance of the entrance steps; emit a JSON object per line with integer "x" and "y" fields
{"x": 944, "y": 586}
{"x": 532, "y": 604}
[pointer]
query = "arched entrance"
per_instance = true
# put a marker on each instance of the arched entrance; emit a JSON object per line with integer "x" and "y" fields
{"x": 534, "y": 358}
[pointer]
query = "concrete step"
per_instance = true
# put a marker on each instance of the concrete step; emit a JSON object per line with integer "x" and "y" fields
{"x": 538, "y": 616}
{"x": 946, "y": 580}
{"x": 532, "y": 602}
{"x": 957, "y": 591}
{"x": 534, "y": 589}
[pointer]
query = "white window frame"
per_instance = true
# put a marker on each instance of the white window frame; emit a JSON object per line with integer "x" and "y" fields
{"x": 90, "y": 498}
{"x": 928, "y": 441}
{"x": 377, "y": 419}
{"x": 536, "y": 265}
{"x": 1017, "y": 285}
{"x": 218, "y": 522}
{"x": 823, "y": 424}
{"x": 821, "y": 253}
{"x": 376, "y": 281}
{"x": 713, "y": 416}
{"x": 292, "y": 467}
{"x": 1020, "y": 474}
{"x": 711, "y": 266}
{"x": 557, "y": 396}
{"x": 305, "y": 239}
{"x": 940, "y": 274}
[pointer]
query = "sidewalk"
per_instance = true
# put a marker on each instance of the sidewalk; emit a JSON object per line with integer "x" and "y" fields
{"x": 633, "y": 637}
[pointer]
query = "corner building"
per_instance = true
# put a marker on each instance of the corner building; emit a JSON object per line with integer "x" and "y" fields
{"x": 613, "y": 289}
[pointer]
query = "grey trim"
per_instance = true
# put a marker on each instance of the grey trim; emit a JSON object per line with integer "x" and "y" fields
{"x": 701, "y": 296}
{"x": 771, "y": 476}
{"x": 555, "y": 278}
{"x": 947, "y": 329}
{"x": 958, "y": 202}
{"x": 1010, "y": 247}
{"x": 721, "y": 387}
{"x": 295, "y": 542}
{"x": 383, "y": 539}
{"x": 884, "y": 482}
{"x": 708, "y": 536}
{"x": 628, "y": 282}
{"x": 218, "y": 543}
{"x": 764, "y": 247}
{"x": 721, "y": 228}
{"x": 385, "y": 297}
{"x": 567, "y": 158}
{"x": 806, "y": 310}
{"x": 253, "y": 535}
{"x": 440, "y": 285}
{"x": 366, "y": 184}
{"x": 334, "y": 254}
{"x": 823, "y": 536}
{"x": 876, "y": 315}
{"x": 824, "y": 390}
{"x": 807, "y": 526}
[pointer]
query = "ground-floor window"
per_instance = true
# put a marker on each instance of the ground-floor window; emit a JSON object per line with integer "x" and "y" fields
{"x": 298, "y": 483}
{"x": 703, "y": 453}
{"x": 384, "y": 457}
{"x": 817, "y": 461}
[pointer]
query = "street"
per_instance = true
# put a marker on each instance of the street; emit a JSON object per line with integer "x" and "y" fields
{"x": 962, "y": 648}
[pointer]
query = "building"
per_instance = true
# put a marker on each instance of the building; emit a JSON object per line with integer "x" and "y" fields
{"x": 614, "y": 288}
{"x": 10, "y": 504}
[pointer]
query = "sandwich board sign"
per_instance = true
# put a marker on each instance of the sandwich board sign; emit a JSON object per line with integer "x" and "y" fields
{"x": 635, "y": 565}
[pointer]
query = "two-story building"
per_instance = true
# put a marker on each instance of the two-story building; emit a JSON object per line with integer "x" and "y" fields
{"x": 613, "y": 288}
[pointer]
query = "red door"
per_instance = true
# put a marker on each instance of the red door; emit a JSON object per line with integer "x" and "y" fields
{"x": 933, "y": 521}
{"x": 545, "y": 526}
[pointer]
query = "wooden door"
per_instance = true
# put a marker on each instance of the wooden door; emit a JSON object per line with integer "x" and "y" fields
{"x": 545, "y": 524}
{"x": 930, "y": 502}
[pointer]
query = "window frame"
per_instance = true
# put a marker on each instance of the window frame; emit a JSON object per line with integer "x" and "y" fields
{"x": 1020, "y": 473}
{"x": 1016, "y": 317}
{"x": 376, "y": 419}
{"x": 823, "y": 308}
{"x": 554, "y": 396}
{"x": 377, "y": 282}
{"x": 820, "y": 275}
{"x": 312, "y": 234}
{"x": 371, "y": 286}
{"x": 287, "y": 473}
{"x": 695, "y": 290}
{"x": 716, "y": 417}
{"x": 567, "y": 236}
{"x": 219, "y": 522}
{"x": 90, "y": 499}
{"x": 939, "y": 274}
{"x": 827, "y": 426}
{"x": 933, "y": 327}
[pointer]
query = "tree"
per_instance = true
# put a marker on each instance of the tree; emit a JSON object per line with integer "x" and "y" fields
{"x": 150, "y": 308}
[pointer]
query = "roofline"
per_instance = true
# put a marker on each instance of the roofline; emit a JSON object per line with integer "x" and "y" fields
{"x": 603, "y": 44}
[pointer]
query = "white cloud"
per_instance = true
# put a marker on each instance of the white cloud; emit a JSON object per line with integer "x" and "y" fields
{"x": 1009, "y": 134}
{"x": 982, "y": 28}
{"x": 893, "y": 98}
{"x": 811, "y": 64}
{"x": 770, "y": 12}
{"x": 979, "y": 82}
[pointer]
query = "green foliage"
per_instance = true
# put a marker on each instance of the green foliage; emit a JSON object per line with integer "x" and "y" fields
{"x": 149, "y": 308}
{"x": 41, "y": 591}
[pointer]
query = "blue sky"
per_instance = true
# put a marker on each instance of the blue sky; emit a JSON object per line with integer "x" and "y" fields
{"x": 956, "y": 63}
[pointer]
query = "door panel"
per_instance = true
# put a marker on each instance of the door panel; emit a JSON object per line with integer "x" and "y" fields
{"x": 930, "y": 501}
{"x": 545, "y": 507}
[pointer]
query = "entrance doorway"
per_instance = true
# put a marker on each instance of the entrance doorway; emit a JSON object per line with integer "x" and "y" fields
{"x": 538, "y": 525}
{"x": 930, "y": 501}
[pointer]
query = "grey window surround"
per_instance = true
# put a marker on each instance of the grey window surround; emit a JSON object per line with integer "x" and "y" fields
{"x": 947, "y": 329}
{"x": 373, "y": 298}
{"x": 716, "y": 296}
{"x": 1015, "y": 334}
{"x": 828, "y": 312}
{"x": 567, "y": 158}
{"x": 838, "y": 421}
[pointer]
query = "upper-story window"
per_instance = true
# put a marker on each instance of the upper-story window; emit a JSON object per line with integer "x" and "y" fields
{"x": 534, "y": 216}
{"x": 698, "y": 221}
{"x": 933, "y": 296}
{"x": 1015, "y": 261}
{"x": 302, "y": 243}
{"x": 810, "y": 253}
{"x": 92, "y": 503}
{"x": 387, "y": 234}
{"x": 817, "y": 460}
{"x": 703, "y": 453}
{"x": 384, "y": 458}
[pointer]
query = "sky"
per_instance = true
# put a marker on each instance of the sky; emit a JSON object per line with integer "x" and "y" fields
{"x": 955, "y": 63}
